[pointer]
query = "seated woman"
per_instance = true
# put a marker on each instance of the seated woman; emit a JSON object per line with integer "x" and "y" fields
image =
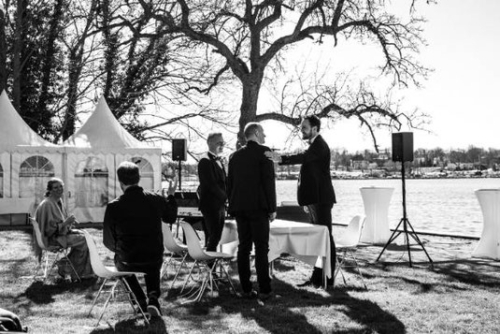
{"x": 56, "y": 227}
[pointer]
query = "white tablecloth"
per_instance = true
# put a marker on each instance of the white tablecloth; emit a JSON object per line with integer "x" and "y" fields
{"x": 489, "y": 244}
{"x": 306, "y": 242}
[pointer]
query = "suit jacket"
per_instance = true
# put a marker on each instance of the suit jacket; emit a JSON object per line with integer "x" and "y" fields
{"x": 132, "y": 226}
{"x": 315, "y": 181}
{"x": 251, "y": 180}
{"x": 212, "y": 188}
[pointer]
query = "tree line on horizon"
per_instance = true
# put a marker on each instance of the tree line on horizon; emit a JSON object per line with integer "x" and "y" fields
{"x": 472, "y": 158}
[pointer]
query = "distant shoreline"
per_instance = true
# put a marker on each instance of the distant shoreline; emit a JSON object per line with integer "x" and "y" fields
{"x": 398, "y": 177}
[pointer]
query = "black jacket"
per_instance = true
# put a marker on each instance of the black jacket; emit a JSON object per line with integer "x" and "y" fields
{"x": 251, "y": 180}
{"x": 212, "y": 189}
{"x": 315, "y": 182}
{"x": 132, "y": 225}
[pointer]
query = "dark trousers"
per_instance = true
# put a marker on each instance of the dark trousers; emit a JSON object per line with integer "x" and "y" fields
{"x": 253, "y": 228}
{"x": 321, "y": 214}
{"x": 214, "y": 224}
{"x": 152, "y": 278}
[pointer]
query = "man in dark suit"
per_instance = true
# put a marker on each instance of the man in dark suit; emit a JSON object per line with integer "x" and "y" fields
{"x": 212, "y": 190}
{"x": 132, "y": 230}
{"x": 315, "y": 191}
{"x": 252, "y": 201}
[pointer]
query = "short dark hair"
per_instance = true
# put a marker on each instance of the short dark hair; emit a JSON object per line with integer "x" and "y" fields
{"x": 128, "y": 173}
{"x": 251, "y": 128}
{"x": 50, "y": 185}
{"x": 314, "y": 121}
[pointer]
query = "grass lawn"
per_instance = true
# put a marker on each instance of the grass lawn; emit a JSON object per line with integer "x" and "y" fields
{"x": 459, "y": 295}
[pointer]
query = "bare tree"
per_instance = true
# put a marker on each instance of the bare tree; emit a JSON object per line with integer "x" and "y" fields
{"x": 248, "y": 37}
{"x": 3, "y": 50}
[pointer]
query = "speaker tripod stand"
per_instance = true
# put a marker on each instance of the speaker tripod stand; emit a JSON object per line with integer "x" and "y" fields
{"x": 407, "y": 228}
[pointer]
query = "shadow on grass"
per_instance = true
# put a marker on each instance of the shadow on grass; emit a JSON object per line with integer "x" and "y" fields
{"x": 40, "y": 293}
{"x": 295, "y": 311}
{"x": 479, "y": 273}
{"x": 132, "y": 326}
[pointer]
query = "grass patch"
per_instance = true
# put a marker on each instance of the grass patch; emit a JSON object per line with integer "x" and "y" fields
{"x": 459, "y": 295}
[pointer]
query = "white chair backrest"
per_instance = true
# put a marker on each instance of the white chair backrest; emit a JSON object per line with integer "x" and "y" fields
{"x": 95, "y": 261}
{"x": 352, "y": 235}
{"x": 194, "y": 246}
{"x": 38, "y": 233}
{"x": 169, "y": 241}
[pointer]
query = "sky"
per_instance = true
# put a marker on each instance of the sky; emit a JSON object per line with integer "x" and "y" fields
{"x": 463, "y": 40}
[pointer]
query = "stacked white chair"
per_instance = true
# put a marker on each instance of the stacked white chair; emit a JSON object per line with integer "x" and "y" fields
{"x": 204, "y": 259}
{"x": 175, "y": 249}
{"x": 347, "y": 246}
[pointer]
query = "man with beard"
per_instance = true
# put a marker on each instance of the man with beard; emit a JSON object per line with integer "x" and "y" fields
{"x": 315, "y": 191}
{"x": 212, "y": 190}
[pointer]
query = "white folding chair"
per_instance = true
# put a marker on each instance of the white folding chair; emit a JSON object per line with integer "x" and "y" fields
{"x": 110, "y": 273}
{"x": 175, "y": 249}
{"x": 58, "y": 251}
{"x": 208, "y": 262}
{"x": 347, "y": 245}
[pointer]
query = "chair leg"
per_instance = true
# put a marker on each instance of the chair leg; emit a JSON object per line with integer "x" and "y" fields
{"x": 165, "y": 265}
{"x": 54, "y": 263}
{"x": 97, "y": 296}
{"x": 228, "y": 277}
{"x": 189, "y": 275}
{"x": 356, "y": 264}
{"x": 183, "y": 263}
{"x": 133, "y": 299}
{"x": 72, "y": 267}
{"x": 111, "y": 295}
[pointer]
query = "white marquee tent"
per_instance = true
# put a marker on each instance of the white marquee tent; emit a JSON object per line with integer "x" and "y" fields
{"x": 86, "y": 162}
{"x": 27, "y": 162}
{"x": 93, "y": 154}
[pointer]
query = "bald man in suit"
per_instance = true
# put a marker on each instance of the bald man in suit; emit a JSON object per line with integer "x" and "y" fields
{"x": 252, "y": 201}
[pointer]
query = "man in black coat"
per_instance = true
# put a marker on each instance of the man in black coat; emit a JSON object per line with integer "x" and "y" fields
{"x": 132, "y": 230}
{"x": 252, "y": 201}
{"x": 315, "y": 191}
{"x": 212, "y": 190}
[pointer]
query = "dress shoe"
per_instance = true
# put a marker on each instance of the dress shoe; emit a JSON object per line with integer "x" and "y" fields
{"x": 154, "y": 308}
{"x": 252, "y": 294}
{"x": 308, "y": 283}
{"x": 267, "y": 296}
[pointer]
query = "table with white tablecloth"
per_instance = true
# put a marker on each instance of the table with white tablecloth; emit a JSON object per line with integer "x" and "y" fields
{"x": 306, "y": 242}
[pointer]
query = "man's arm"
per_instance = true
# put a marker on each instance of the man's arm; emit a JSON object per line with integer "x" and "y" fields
{"x": 169, "y": 214}
{"x": 108, "y": 231}
{"x": 269, "y": 182}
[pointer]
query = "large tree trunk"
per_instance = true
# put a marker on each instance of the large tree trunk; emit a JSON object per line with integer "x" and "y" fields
{"x": 248, "y": 110}
{"x": 49, "y": 61}
{"x": 3, "y": 53}
{"x": 17, "y": 55}
{"x": 75, "y": 69}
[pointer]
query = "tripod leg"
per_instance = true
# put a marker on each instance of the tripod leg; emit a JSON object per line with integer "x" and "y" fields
{"x": 394, "y": 235}
{"x": 417, "y": 239}
{"x": 407, "y": 240}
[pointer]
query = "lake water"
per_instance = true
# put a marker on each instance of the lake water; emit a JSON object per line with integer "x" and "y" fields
{"x": 440, "y": 205}
{"x": 434, "y": 205}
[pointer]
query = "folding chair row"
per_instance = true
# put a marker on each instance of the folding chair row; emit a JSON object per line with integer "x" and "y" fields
{"x": 207, "y": 262}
